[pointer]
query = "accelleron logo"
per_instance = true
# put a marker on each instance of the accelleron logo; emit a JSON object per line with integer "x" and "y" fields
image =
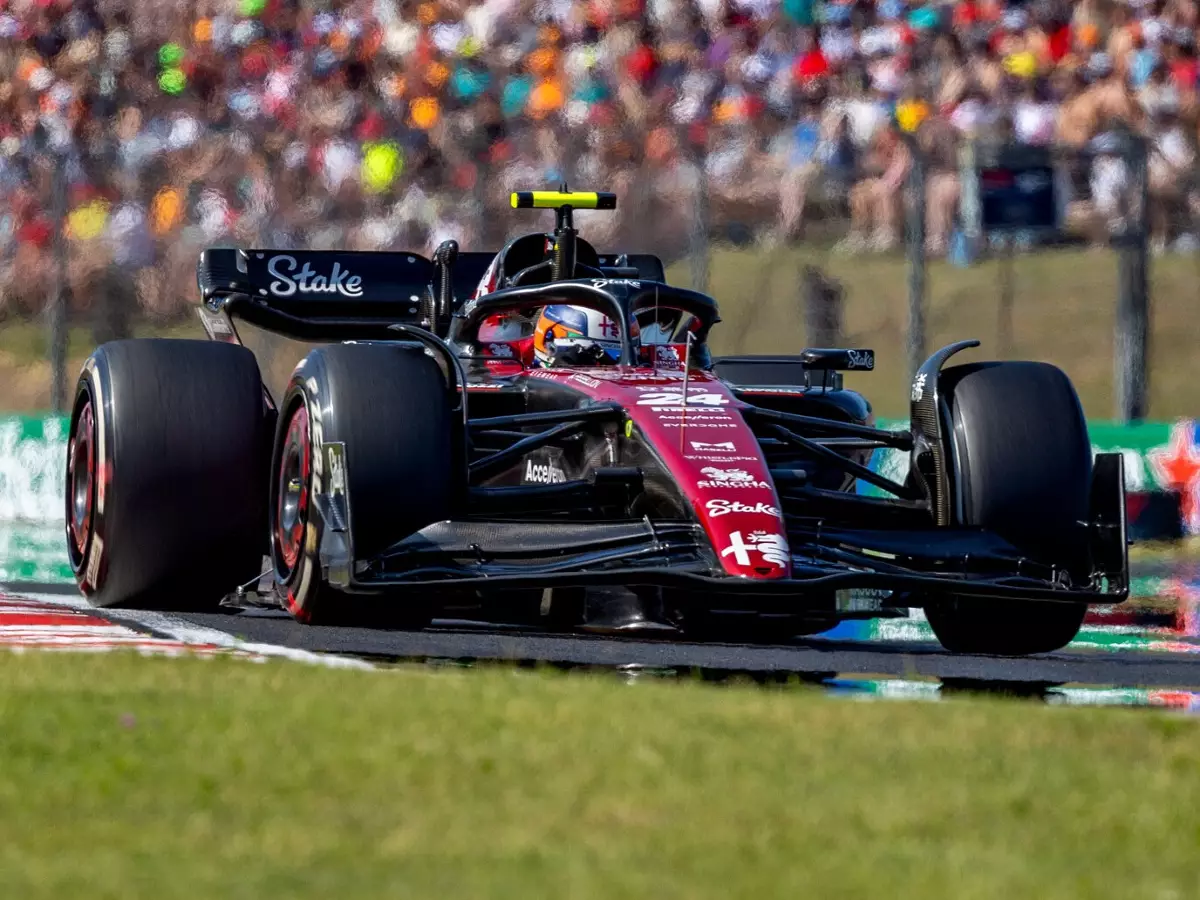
{"x": 543, "y": 473}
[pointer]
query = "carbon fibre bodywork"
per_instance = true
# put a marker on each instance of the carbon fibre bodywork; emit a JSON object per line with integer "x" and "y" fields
{"x": 670, "y": 474}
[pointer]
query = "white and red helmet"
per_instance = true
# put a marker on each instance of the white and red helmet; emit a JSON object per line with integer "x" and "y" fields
{"x": 589, "y": 336}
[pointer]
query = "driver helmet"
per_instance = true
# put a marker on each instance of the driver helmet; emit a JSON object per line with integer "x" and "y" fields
{"x": 576, "y": 336}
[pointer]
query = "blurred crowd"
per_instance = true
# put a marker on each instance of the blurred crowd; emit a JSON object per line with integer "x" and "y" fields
{"x": 155, "y": 128}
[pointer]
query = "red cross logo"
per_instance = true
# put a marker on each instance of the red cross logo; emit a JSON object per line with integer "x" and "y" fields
{"x": 1177, "y": 468}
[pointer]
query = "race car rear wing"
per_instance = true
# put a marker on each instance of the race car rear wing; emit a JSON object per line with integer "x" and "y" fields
{"x": 313, "y": 284}
{"x": 353, "y": 295}
{"x": 814, "y": 367}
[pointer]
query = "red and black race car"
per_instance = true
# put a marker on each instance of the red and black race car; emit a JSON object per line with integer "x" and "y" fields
{"x": 460, "y": 445}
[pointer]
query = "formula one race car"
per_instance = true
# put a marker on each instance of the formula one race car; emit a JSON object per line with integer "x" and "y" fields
{"x": 541, "y": 436}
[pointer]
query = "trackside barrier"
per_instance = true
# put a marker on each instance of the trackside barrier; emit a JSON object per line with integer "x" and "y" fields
{"x": 33, "y": 452}
{"x": 1162, "y": 473}
{"x": 1161, "y": 458}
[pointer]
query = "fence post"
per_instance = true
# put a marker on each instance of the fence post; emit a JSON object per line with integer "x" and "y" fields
{"x": 1130, "y": 377}
{"x": 821, "y": 299}
{"x": 56, "y": 312}
{"x": 915, "y": 252}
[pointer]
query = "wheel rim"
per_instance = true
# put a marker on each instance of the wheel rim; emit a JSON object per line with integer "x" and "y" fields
{"x": 291, "y": 507}
{"x": 81, "y": 478}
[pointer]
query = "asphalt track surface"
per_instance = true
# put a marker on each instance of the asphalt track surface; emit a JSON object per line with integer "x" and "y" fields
{"x": 811, "y": 657}
{"x": 808, "y": 658}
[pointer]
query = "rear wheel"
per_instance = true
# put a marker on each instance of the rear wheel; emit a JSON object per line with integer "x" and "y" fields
{"x": 389, "y": 408}
{"x": 1025, "y": 467}
{"x": 167, "y": 468}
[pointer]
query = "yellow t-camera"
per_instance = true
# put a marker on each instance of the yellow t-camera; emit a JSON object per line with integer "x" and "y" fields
{"x": 559, "y": 199}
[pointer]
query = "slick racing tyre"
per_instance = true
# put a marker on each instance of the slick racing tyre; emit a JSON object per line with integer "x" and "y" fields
{"x": 167, "y": 466}
{"x": 1025, "y": 471}
{"x": 389, "y": 409}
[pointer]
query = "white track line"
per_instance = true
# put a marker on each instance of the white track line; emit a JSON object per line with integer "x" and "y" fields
{"x": 179, "y": 633}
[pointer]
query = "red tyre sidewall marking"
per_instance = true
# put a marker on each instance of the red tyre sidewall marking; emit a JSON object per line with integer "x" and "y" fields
{"x": 82, "y": 452}
{"x": 290, "y": 542}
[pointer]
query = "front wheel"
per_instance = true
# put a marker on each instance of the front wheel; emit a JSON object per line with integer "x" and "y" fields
{"x": 1024, "y": 471}
{"x": 1004, "y": 628}
{"x": 389, "y": 409}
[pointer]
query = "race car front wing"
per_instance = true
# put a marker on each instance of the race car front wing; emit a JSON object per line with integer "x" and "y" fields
{"x": 907, "y": 563}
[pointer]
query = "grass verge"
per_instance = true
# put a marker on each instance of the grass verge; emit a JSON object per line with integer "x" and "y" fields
{"x": 130, "y": 777}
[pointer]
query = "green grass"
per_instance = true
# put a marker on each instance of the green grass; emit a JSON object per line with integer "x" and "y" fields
{"x": 125, "y": 777}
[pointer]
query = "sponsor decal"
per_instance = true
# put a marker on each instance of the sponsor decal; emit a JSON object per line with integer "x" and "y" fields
{"x": 504, "y": 351}
{"x": 722, "y": 459}
{"x": 33, "y": 455}
{"x": 585, "y": 380}
{"x": 773, "y": 548}
{"x": 308, "y": 281}
{"x": 214, "y": 324}
{"x": 484, "y": 387}
{"x": 861, "y": 599}
{"x": 918, "y": 389}
{"x": 1177, "y": 468}
{"x": 690, "y": 422}
{"x": 543, "y": 473}
{"x": 670, "y": 398}
{"x": 605, "y": 282}
{"x": 860, "y": 359}
{"x": 633, "y": 378}
{"x": 729, "y": 478}
{"x": 716, "y": 445}
{"x": 92, "y": 575}
{"x": 675, "y": 414}
{"x": 337, "y": 467}
{"x": 717, "y": 507}
{"x": 667, "y": 356}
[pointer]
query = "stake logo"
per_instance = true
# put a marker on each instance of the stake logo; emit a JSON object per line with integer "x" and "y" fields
{"x": 307, "y": 281}
{"x": 724, "y": 507}
{"x": 860, "y": 359}
{"x": 773, "y": 548}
